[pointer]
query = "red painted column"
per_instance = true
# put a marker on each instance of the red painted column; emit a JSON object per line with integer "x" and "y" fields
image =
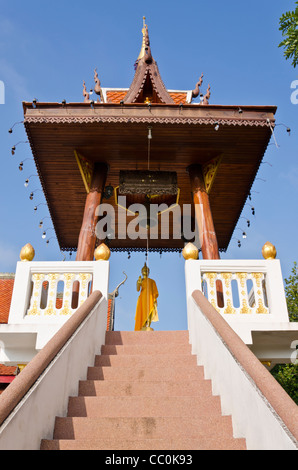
{"x": 87, "y": 237}
{"x": 203, "y": 213}
{"x": 208, "y": 238}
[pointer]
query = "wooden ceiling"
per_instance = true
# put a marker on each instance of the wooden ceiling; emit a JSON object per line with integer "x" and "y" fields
{"x": 117, "y": 134}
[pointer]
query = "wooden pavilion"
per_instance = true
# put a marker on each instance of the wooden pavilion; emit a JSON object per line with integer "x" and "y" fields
{"x": 83, "y": 152}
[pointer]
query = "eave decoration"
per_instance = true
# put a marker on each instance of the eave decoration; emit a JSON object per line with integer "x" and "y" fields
{"x": 86, "y": 169}
{"x": 209, "y": 172}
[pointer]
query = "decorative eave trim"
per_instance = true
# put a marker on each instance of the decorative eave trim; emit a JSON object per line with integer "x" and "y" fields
{"x": 145, "y": 120}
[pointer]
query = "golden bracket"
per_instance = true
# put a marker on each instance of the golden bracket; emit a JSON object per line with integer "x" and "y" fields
{"x": 86, "y": 169}
{"x": 210, "y": 171}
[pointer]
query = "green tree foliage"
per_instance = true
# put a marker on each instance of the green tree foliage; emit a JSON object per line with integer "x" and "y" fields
{"x": 289, "y": 27}
{"x": 291, "y": 289}
{"x": 287, "y": 374}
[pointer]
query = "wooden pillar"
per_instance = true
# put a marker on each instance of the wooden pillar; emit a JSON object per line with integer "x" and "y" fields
{"x": 87, "y": 237}
{"x": 208, "y": 238}
{"x": 203, "y": 213}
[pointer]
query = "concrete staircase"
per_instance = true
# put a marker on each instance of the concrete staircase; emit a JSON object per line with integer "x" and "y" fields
{"x": 145, "y": 392}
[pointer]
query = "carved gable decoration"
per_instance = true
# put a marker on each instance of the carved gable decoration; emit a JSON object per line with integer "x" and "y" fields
{"x": 147, "y": 85}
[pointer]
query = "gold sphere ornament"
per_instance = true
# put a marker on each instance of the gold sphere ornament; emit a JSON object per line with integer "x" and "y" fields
{"x": 190, "y": 251}
{"x": 102, "y": 253}
{"x": 269, "y": 251}
{"x": 27, "y": 253}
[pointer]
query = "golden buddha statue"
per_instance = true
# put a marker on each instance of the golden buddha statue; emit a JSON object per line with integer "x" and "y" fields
{"x": 146, "y": 311}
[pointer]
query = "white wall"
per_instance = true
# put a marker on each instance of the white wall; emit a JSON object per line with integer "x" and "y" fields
{"x": 252, "y": 416}
{"x": 34, "y": 418}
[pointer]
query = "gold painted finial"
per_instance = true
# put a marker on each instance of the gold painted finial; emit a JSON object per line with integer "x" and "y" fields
{"x": 142, "y": 53}
{"x": 190, "y": 251}
{"x": 102, "y": 253}
{"x": 269, "y": 251}
{"x": 27, "y": 253}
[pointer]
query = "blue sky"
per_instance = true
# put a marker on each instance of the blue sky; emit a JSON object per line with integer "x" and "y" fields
{"x": 47, "y": 49}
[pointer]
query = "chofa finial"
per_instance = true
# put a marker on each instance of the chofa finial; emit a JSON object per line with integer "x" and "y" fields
{"x": 85, "y": 93}
{"x": 207, "y": 96}
{"x": 97, "y": 87}
{"x": 196, "y": 91}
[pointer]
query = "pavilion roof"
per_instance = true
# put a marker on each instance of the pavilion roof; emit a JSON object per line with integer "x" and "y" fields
{"x": 114, "y": 130}
{"x": 117, "y": 135}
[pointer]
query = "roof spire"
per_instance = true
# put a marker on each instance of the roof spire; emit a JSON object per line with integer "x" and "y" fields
{"x": 147, "y": 85}
{"x": 142, "y": 53}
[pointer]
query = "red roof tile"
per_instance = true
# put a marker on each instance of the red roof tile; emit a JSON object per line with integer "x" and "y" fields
{"x": 6, "y": 288}
{"x": 8, "y": 371}
{"x": 178, "y": 97}
{"x": 115, "y": 96}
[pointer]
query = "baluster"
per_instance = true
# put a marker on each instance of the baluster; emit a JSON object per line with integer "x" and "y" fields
{"x": 69, "y": 279}
{"x": 243, "y": 295}
{"x": 53, "y": 280}
{"x": 227, "y": 290}
{"x": 84, "y": 278}
{"x": 257, "y": 279}
{"x": 210, "y": 279}
{"x": 34, "y": 308}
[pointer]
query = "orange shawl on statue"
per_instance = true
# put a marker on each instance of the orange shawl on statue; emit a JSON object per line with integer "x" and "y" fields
{"x": 147, "y": 304}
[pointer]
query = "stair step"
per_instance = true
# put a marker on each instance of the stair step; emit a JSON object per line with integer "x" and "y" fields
{"x": 140, "y": 361}
{"x": 146, "y": 374}
{"x": 145, "y": 389}
{"x": 144, "y": 392}
{"x": 145, "y": 444}
{"x": 129, "y": 349}
{"x": 143, "y": 428}
{"x": 125, "y": 407}
{"x": 146, "y": 337}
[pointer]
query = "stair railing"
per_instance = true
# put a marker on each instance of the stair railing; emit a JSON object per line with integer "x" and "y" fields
{"x": 29, "y": 405}
{"x": 262, "y": 412}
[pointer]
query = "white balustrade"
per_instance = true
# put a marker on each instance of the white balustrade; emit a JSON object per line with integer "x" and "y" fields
{"x": 252, "y": 291}
{"x": 49, "y": 299}
{"x": 243, "y": 292}
{"x": 43, "y": 291}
